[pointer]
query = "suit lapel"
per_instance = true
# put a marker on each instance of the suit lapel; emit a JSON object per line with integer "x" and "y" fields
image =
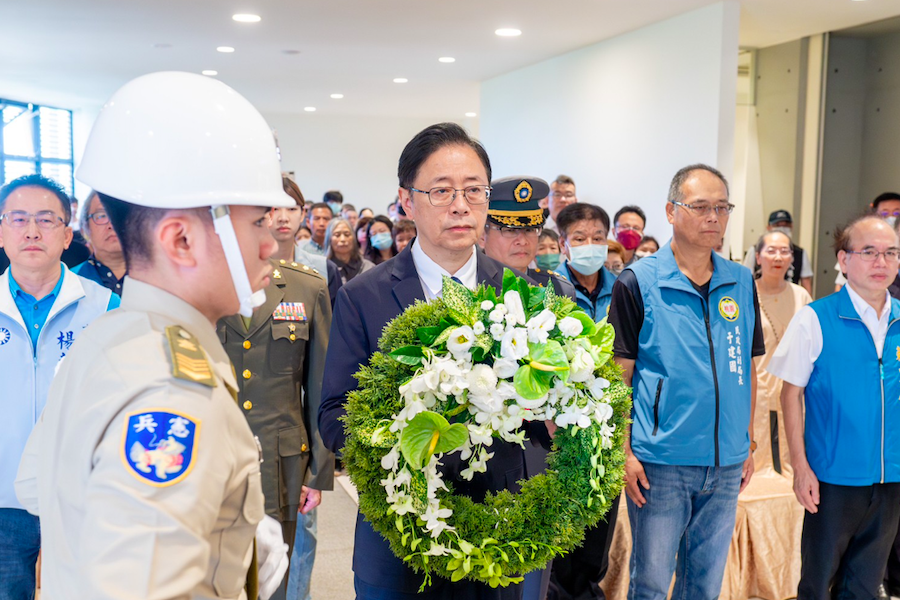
{"x": 407, "y": 285}
{"x": 274, "y": 296}
{"x": 488, "y": 270}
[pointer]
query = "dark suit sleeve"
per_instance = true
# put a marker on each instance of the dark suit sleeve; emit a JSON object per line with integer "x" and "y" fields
{"x": 321, "y": 465}
{"x": 334, "y": 281}
{"x": 348, "y": 348}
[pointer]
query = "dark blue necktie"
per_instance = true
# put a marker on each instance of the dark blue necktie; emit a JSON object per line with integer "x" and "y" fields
{"x": 456, "y": 279}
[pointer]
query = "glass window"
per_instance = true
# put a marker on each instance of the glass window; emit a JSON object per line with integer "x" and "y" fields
{"x": 36, "y": 139}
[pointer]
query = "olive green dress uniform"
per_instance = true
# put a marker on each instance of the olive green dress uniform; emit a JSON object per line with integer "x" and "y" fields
{"x": 561, "y": 285}
{"x": 276, "y": 358}
{"x": 108, "y": 530}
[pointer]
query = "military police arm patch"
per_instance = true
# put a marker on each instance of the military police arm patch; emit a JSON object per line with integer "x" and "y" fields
{"x": 158, "y": 445}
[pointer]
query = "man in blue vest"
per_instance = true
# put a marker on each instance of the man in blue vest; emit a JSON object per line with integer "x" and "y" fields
{"x": 43, "y": 309}
{"x": 843, "y": 353}
{"x": 687, "y": 329}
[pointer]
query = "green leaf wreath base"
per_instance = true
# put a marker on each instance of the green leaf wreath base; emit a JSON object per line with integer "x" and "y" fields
{"x": 506, "y": 535}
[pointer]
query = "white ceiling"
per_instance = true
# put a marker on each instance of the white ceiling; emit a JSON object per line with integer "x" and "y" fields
{"x": 76, "y": 53}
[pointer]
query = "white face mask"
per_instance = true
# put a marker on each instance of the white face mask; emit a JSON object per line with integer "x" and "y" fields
{"x": 588, "y": 259}
{"x": 891, "y": 220}
{"x": 785, "y": 230}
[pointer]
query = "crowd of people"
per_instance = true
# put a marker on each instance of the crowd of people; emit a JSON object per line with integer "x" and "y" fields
{"x": 248, "y": 320}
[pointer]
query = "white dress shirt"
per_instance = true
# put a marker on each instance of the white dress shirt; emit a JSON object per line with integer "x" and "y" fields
{"x": 802, "y": 344}
{"x": 432, "y": 274}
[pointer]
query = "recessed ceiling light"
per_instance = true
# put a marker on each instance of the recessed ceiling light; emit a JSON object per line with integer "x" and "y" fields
{"x": 210, "y": 72}
{"x": 246, "y": 18}
{"x": 446, "y": 59}
{"x": 337, "y": 96}
{"x": 225, "y": 49}
{"x": 508, "y": 32}
{"x": 162, "y": 45}
{"x": 400, "y": 80}
{"x": 290, "y": 52}
{"x": 309, "y": 108}
{"x": 471, "y": 114}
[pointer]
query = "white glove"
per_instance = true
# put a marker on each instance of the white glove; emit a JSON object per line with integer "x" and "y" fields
{"x": 272, "y": 556}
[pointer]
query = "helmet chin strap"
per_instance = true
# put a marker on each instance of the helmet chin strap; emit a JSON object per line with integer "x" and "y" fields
{"x": 225, "y": 230}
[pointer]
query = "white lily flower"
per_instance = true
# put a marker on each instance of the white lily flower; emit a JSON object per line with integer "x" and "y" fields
{"x": 539, "y": 326}
{"x": 513, "y": 302}
{"x": 571, "y": 327}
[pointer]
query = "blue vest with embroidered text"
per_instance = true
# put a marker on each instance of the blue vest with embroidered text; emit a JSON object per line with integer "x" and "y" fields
{"x": 853, "y": 399}
{"x": 692, "y": 373}
{"x": 26, "y": 373}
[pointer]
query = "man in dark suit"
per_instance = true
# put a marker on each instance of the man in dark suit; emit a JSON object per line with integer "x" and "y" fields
{"x": 444, "y": 187}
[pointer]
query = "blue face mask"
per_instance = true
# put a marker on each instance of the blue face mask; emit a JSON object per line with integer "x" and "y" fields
{"x": 548, "y": 262}
{"x": 335, "y": 207}
{"x": 588, "y": 259}
{"x": 382, "y": 241}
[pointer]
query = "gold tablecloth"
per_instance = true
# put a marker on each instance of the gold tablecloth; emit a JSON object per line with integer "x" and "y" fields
{"x": 764, "y": 558}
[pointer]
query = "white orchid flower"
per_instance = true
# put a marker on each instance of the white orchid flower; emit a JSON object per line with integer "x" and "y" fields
{"x": 437, "y": 550}
{"x": 391, "y": 460}
{"x": 434, "y": 517}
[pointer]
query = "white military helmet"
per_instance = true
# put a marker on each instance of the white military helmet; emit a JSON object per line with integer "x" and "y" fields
{"x": 178, "y": 140}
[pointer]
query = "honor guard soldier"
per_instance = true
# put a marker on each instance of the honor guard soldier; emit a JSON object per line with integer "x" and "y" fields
{"x": 278, "y": 353}
{"x": 142, "y": 467}
{"x": 514, "y": 222}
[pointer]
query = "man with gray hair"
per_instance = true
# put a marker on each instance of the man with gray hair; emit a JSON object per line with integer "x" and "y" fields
{"x": 687, "y": 329}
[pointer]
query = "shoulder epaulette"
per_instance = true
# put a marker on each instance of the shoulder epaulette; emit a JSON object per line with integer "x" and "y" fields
{"x": 188, "y": 359}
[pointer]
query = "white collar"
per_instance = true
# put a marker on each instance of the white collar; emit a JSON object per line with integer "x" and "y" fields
{"x": 863, "y": 307}
{"x": 432, "y": 274}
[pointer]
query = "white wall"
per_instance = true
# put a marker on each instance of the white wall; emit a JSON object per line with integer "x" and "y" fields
{"x": 623, "y": 115}
{"x": 356, "y": 155}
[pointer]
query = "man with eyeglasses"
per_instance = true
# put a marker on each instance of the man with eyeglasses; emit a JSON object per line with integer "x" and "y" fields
{"x": 628, "y": 226}
{"x": 43, "y": 310}
{"x": 444, "y": 176}
{"x": 562, "y": 194}
{"x": 687, "y": 331}
{"x": 886, "y": 206}
{"x": 514, "y": 222}
{"x": 106, "y": 264}
{"x": 842, "y": 354}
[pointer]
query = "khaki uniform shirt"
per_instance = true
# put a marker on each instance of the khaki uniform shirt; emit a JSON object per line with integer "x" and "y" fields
{"x": 142, "y": 468}
{"x": 280, "y": 355}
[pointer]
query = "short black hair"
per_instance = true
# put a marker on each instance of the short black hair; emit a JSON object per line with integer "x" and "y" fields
{"x": 884, "y": 198}
{"x": 548, "y": 233}
{"x": 347, "y": 207}
{"x": 333, "y": 196}
{"x": 842, "y": 234}
{"x": 430, "y": 140}
{"x": 631, "y": 208}
{"x": 675, "y": 191}
{"x": 315, "y": 206}
{"x": 45, "y": 183}
{"x": 132, "y": 224}
{"x": 580, "y": 211}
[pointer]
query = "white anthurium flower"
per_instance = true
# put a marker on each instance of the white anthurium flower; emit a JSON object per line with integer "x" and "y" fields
{"x": 497, "y": 331}
{"x": 487, "y": 305}
{"x": 478, "y": 327}
{"x": 539, "y": 326}
{"x": 460, "y": 340}
{"x": 571, "y": 327}
{"x": 513, "y": 302}
{"x": 391, "y": 460}
{"x": 514, "y": 344}
{"x": 581, "y": 368}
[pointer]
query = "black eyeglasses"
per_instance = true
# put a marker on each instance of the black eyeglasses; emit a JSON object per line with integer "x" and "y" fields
{"x": 444, "y": 196}
{"x": 514, "y": 232}
{"x": 701, "y": 209}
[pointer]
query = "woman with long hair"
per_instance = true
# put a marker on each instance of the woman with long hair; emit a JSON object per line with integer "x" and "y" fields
{"x": 343, "y": 249}
{"x": 379, "y": 241}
